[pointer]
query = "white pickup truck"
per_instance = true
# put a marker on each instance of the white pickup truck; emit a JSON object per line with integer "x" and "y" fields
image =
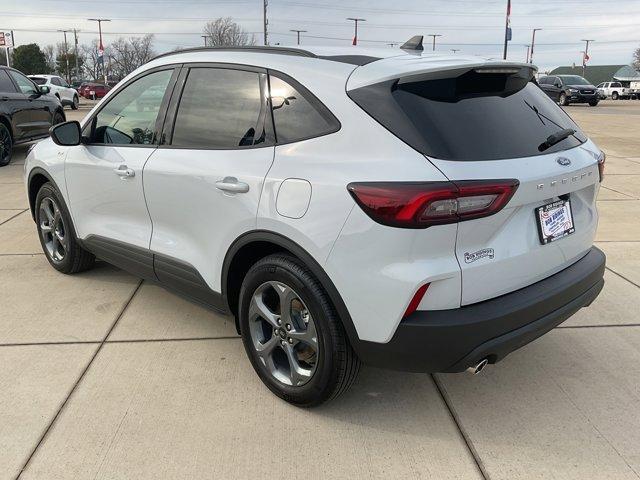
{"x": 613, "y": 90}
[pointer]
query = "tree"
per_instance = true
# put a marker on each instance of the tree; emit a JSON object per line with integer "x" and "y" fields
{"x": 29, "y": 59}
{"x": 128, "y": 54}
{"x": 636, "y": 59}
{"x": 225, "y": 32}
{"x": 50, "y": 56}
{"x": 89, "y": 53}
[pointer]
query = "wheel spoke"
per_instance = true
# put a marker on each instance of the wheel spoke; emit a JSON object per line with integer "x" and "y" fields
{"x": 48, "y": 210}
{"x": 259, "y": 309}
{"x": 61, "y": 239}
{"x": 286, "y": 296}
{"x": 308, "y": 336}
{"x": 45, "y": 228}
{"x": 297, "y": 374}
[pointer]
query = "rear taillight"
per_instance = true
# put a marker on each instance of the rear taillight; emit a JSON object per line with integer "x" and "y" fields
{"x": 601, "y": 159}
{"x": 420, "y": 205}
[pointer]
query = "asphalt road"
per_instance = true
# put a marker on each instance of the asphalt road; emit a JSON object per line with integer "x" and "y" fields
{"x": 107, "y": 377}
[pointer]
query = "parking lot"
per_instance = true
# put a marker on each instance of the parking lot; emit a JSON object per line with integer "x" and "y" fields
{"x": 107, "y": 377}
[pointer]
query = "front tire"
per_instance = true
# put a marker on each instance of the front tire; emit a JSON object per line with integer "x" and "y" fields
{"x": 615, "y": 96}
{"x": 57, "y": 235}
{"x": 58, "y": 117}
{"x": 563, "y": 100}
{"x": 292, "y": 334}
{"x": 6, "y": 145}
{"x": 75, "y": 103}
{"x": 593, "y": 103}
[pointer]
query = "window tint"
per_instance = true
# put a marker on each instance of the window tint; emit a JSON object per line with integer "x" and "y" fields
{"x": 544, "y": 81}
{"x": 24, "y": 84}
{"x": 476, "y": 116}
{"x": 56, "y": 81}
{"x": 6, "y": 85}
{"x": 616, "y": 84}
{"x": 220, "y": 108}
{"x": 130, "y": 116}
{"x": 39, "y": 80}
{"x": 295, "y": 117}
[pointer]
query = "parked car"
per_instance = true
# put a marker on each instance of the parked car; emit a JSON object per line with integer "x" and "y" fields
{"x": 567, "y": 89}
{"x": 615, "y": 90}
{"x": 409, "y": 211}
{"x": 59, "y": 88}
{"x": 26, "y": 111}
{"x": 94, "y": 90}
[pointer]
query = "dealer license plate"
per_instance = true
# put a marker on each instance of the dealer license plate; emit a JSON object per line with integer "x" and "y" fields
{"x": 555, "y": 220}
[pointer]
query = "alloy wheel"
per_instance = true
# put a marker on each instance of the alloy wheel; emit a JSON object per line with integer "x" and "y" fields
{"x": 283, "y": 333}
{"x": 5, "y": 143}
{"x": 52, "y": 230}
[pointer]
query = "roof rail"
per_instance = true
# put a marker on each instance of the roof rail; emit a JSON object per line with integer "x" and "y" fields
{"x": 264, "y": 49}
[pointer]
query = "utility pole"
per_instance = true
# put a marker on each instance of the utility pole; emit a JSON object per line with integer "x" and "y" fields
{"x": 585, "y": 57}
{"x": 66, "y": 53}
{"x": 101, "y": 46}
{"x": 75, "y": 43}
{"x": 356, "y": 20}
{"x": 204, "y": 37}
{"x": 265, "y": 3}
{"x": 298, "y": 32}
{"x": 455, "y": 50}
{"x": 434, "y": 35}
{"x": 507, "y": 29}
{"x": 533, "y": 42}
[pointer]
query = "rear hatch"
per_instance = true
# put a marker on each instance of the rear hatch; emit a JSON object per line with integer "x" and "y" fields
{"x": 492, "y": 122}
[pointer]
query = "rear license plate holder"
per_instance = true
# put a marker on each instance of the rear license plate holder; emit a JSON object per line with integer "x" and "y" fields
{"x": 555, "y": 221}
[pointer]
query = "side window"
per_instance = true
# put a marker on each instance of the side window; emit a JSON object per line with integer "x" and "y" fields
{"x": 220, "y": 108}
{"x": 56, "y": 81}
{"x": 297, "y": 117}
{"x": 543, "y": 81}
{"x": 6, "y": 85}
{"x": 130, "y": 117}
{"x": 25, "y": 85}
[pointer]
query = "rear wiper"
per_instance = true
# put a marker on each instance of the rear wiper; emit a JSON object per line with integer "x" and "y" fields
{"x": 556, "y": 138}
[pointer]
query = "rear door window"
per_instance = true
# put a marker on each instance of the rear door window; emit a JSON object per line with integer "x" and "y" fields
{"x": 25, "y": 85}
{"x": 6, "y": 85}
{"x": 475, "y": 116}
{"x": 221, "y": 109}
{"x": 297, "y": 115}
{"x": 39, "y": 80}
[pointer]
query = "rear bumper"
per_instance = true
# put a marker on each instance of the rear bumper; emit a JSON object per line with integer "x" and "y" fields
{"x": 453, "y": 340}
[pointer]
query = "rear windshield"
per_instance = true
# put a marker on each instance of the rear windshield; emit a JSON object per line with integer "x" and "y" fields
{"x": 39, "y": 80}
{"x": 474, "y": 116}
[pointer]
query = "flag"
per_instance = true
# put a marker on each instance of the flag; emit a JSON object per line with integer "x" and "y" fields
{"x": 101, "y": 54}
{"x": 586, "y": 57}
{"x": 355, "y": 41}
{"x": 509, "y": 33}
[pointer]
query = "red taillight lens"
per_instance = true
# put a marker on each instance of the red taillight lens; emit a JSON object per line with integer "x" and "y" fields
{"x": 601, "y": 159}
{"x": 420, "y": 205}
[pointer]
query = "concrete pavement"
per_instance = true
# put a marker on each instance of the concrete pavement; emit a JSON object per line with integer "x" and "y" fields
{"x": 106, "y": 377}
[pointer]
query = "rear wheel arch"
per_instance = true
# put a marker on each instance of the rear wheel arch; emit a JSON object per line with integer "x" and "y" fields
{"x": 253, "y": 246}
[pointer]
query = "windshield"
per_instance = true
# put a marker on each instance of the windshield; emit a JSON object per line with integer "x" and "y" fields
{"x": 39, "y": 80}
{"x": 574, "y": 80}
{"x": 470, "y": 117}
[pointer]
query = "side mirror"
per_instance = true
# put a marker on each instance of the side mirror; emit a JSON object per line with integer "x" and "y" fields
{"x": 44, "y": 89}
{"x": 66, "y": 134}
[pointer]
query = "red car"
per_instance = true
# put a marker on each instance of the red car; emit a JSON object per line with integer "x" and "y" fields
{"x": 93, "y": 90}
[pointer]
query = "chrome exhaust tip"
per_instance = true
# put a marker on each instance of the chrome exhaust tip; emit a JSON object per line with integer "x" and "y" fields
{"x": 476, "y": 369}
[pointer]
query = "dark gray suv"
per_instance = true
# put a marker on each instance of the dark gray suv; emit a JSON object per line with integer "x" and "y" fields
{"x": 26, "y": 111}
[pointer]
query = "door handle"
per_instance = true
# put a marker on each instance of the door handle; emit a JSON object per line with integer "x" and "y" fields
{"x": 231, "y": 184}
{"x": 124, "y": 171}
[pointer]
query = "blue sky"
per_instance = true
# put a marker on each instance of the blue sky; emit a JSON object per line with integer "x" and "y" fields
{"x": 473, "y": 27}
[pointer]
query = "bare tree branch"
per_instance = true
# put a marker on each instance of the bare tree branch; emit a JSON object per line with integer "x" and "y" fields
{"x": 225, "y": 32}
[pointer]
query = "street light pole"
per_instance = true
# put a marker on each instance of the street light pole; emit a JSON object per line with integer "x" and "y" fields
{"x": 455, "y": 50}
{"x": 298, "y": 32}
{"x": 356, "y": 20}
{"x": 66, "y": 53}
{"x": 585, "y": 57}
{"x": 533, "y": 42}
{"x": 101, "y": 46}
{"x": 434, "y": 35}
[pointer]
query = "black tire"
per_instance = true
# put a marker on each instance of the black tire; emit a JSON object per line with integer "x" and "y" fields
{"x": 593, "y": 103}
{"x": 615, "y": 96}
{"x": 563, "y": 100}
{"x": 75, "y": 103}
{"x": 76, "y": 258}
{"x": 337, "y": 365}
{"x": 58, "y": 117}
{"x": 6, "y": 145}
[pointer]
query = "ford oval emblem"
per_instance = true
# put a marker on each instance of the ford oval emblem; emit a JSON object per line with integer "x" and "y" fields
{"x": 565, "y": 162}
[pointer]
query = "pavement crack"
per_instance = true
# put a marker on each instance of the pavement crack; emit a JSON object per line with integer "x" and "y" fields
{"x": 622, "y": 276}
{"x": 11, "y": 218}
{"x": 463, "y": 432}
{"x": 79, "y": 380}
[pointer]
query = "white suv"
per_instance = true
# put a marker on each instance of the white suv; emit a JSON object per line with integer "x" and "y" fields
{"x": 406, "y": 210}
{"x": 59, "y": 88}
